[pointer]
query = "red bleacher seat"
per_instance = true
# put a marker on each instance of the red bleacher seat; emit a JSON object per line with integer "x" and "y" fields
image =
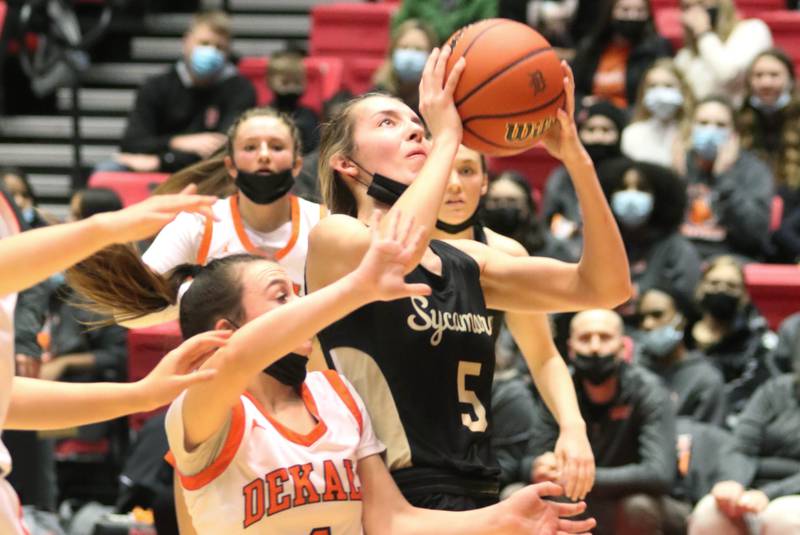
{"x": 785, "y": 27}
{"x": 746, "y": 8}
{"x": 131, "y": 187}
{"x": 668, "y": 24}
{"x": 350, "y": 29}
{"x": 359, "y": 73}
{"x": 774, "y": 290}
{"x": 3, "y": 9}
{"x": 146, "y": 347}
{"x": 323, "y": 76}
{"x": 536, "y": 164}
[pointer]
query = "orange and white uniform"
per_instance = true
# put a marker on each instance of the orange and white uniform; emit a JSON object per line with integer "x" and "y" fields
{"x": 257, "y": 476}
{"x": 194, "y": 239}
{"x": 10, "y": 509}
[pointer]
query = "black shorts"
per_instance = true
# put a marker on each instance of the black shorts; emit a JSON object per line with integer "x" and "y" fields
{"x": 452, "y": 502}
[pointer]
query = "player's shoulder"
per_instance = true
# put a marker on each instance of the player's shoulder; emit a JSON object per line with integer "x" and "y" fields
{"x": 505, "y": 244}
{"x": 338, "y": 228}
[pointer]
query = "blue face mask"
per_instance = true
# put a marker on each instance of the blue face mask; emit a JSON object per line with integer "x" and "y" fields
{"x": 632, "y": 207}
{"x": 206, "y": 61}
{"x": 663, "y": 102}
{"x": 707, "y": 139}
{"x": 778, "y": 105}
{"x": 28, "y": 214}
{"x": 409, "y": 63}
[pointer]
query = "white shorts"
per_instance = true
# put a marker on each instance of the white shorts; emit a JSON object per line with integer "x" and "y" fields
{"x": 10, "y": 511}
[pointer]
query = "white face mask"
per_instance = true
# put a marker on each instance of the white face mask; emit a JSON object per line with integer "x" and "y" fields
{"x": 778, "y": 105}
{"x": 663, "y": 102}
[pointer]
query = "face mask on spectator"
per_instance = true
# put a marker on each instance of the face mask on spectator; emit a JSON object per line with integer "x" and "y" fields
{"x": 721, "y": 305}
{"x": 408, "y": 63}
{"x": 776, "y": 106}
{"x": 707, "y": 139}
{"x": 632, "y": 207}
{"x": 206, "y": 60}
{"x": 28, "y": 214}
{"x": 631, "y": 30}
{"x": 599, "y": 152}
{"x": 663, "y": 102}
{"x": 662, "y": 341}
{"x": 504, "y": 220}
{"x": 595, "y": 368}
{"x": 263, "y": 188}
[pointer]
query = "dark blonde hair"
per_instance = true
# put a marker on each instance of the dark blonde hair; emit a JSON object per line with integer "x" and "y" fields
{"x": 727, "y": 19}
{"x": 218, "y": 21}
{"x": 210, "y": 175}
{"x": 385, "y": 76}
{"x": 640, "y": 111}
{"x": 338, "y": 138}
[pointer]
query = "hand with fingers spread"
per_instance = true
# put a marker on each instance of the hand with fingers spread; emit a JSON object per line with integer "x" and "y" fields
{"x": 179, "y": 369}
{"x": 562, "y": 140}
{"x": 382, "y": 270}
{"x": 528, "y": 511}
{"x": 436, "y": 94}
{"x": 575, "y": 462}
{"x": 142, "y": 220}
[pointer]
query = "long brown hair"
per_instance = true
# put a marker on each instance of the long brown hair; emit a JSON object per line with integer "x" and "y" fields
{"x": 727, "y": 19}
{"x": 210, "y": 175}
{"x": 118, "y": 286}
{"x": 337, "y": 138}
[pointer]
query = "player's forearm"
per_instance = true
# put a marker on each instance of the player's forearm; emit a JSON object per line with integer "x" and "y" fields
{"x": 603, "y": 269}
{"x": 41, "y": 405}
{"x": 33, "y": 256}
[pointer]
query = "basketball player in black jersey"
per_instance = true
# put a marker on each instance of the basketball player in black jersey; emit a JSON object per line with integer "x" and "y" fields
{"x": 424, "y": 366}
{"x": 468, "y": 182}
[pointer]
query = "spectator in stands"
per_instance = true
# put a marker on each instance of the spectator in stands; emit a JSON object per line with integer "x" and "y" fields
{"x": 610, "y": 62}
{"x": 16, "y": 183}
{"x": 769, "y": 123}
{"x": 551, "y": 18}
{"x": 718, "y": 47}
{"x": 600, "y": 128}
{"x": 662, "y": 104}
{"x": 788, "y": 344}
{"x": 631, "y": 427}
{"x": 648, "y": 202}
{"x": 695, "y": 385}
{"x": 399, "y": 75}
{"x": 729, "y": 189}
{"x": 286, "y": 77}
{"x": 510, "y": 209}
{"x": 181, "y": 115}
{"x": 732, "y": 333}
{"x": 444, "y": 16}
{"x": 766, "y": 433}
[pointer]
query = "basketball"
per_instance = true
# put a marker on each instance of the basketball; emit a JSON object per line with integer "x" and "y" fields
{"x": 511, "y": 88}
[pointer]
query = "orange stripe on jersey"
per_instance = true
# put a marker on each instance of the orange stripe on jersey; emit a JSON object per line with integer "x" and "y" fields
{"x": 304, "y": 440}
{"x": 242, "y": 234}
{"x": 338, "y": 385}
{"x": 223, "y": 460}
{"x": 9, "y": 214}
{"x": 205, "y": 243}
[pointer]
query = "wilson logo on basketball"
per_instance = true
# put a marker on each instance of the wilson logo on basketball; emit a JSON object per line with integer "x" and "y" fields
{"x": 537, "y": 82}
{"x": 521, "y": 132}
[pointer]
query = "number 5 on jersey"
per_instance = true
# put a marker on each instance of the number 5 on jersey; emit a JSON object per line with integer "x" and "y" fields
{"x": 477, "y": 423}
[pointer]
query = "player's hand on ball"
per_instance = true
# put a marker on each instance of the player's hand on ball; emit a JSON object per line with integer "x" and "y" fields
{"x": 526, "y": 512}
{"x": 436, "y": 94}
{"x": 562, "y": 140}
{"x": 383, "y": 268}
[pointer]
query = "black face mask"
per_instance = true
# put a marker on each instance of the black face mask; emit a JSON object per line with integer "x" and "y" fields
{"x": 383, "y": 189}
{"x": 287, "y": 101}
{"x": 721, "y": 305}
{"x": 713, "y": 16}
{"x": 632, "y": 30}
{"x": 596, "y": 369}
{"x": 599, "y": 152}
{"x": 289, "y": 369}
{"x": 504, "y": 220}
{"x": 458, "y": 227}
{"x": 264, "y": 188}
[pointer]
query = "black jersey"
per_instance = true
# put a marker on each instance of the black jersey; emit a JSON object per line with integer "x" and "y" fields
{"x": 498, "y": 315}
{"x": 424, "y": 367}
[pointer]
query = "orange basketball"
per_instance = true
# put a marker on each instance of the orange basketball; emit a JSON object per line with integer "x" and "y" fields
{"x": 511, "y": 88}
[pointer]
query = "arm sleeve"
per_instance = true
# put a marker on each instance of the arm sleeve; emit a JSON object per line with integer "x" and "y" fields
{"x": 745, "y": 202}
{"x": 141, "y": 134}
{"x": 29, "y": 317}
{"x": 193, "y": 462}
{"x": 655, "y": 471}
{"x": 731, "y": 58}
{"x": 711, "y": 408}
{"x": 512, "y": 410}
{"x": 782, "y": 487}
{"x": 176, "y": 244}
{"x": 753, "y": 420}
{"x": 543, "y": 439}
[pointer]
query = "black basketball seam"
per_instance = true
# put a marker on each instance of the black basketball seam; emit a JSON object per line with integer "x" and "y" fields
{"x": 512, "y": 114}
{"x": 471, "y": 131}
{"x": 505, "y": 68}
{"x": 464, "y": 54}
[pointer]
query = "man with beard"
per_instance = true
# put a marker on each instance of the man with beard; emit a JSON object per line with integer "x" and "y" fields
{"x": 630, "y": 423}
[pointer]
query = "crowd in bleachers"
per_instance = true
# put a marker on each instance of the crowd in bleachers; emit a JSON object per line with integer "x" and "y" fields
{"x": 689, "y": 110}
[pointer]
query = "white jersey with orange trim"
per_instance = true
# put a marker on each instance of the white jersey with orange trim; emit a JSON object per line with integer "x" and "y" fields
{"x": 194, "y": 239}
{"x": 10, "y": 509}
{"x": 266, "y": 478}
